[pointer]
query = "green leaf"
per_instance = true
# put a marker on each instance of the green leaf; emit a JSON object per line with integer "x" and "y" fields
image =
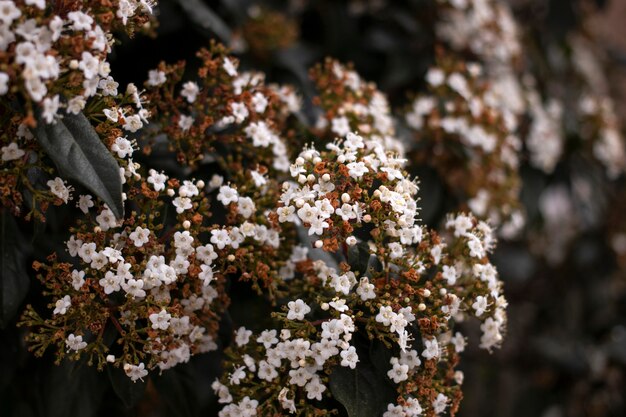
{"x": 14, "y": 280}
{"x": 79, "y": 154}
{"x": 206, "y": 19}
{"x": 361, "y": 391}
{"x": 129, "y": 392}
{"x": 73, "y": 389}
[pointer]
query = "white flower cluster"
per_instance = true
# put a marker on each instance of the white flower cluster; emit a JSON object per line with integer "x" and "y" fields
{"x": 38, "y": 65}
{"x": 368, "y": 112}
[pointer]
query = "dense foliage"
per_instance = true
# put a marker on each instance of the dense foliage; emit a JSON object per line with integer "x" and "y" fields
{"x": 309, "y": 207}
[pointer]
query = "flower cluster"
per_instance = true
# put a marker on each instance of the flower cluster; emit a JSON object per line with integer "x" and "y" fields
{"x": 402, "y": 286}
{"x": 138, "y": 293}
{"x": 224, "y": 108}
{"x": 54, "y": 65}
{"x": 349, "y": 103}
{"x": 474, "y": 147}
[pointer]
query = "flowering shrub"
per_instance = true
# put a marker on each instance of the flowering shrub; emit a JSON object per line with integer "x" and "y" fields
{"x": 241, "y": 228}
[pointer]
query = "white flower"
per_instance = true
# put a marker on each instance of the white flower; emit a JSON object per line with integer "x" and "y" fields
{"x": 50, "y": 108}
{"x": 157, "y": 180}
{"x": 220, "y": 238}
{"x": 246, "y": 207}
{"x": 58, "y": 188}
{"x": 240, "y": 111}
{"x": 480, "y": 305}
{"x": 8, "y": 12}
{"x": 11, "y": 152}
{"x": 76, "y": 104}
{"x": 182, "y": 204}
{"x": 412, "y": 407}
{"x": 140, "y": 236}
{"x": 349, "y": 357}
{"x": 449, "y": 274}
{"x": 190, "y": 91}
{"x": 440, "y": 403}
{"x": 4, "y": 83}
{"x": 156, "y": 78}
{"x": 160, "y": 320}
{"x": 106, "y": 219}
{"x": 431, "y": 349}
{"x": 340, "y": 126}
{"x": 398, "y": 372}
{"x": 135, "y": 372}
{"x": 133, "y": 123}
{"x": 365, "y": 290}
{"x": 85, "y": 202}
{"x": 123, "y": 147}
{"x": 111, "y": 282}
{"x": 62, "y": 304}
{"x": 297, "y": 310}
{"x": 357, "y": 169}
{"x": 242, "y": 336}
{"x": 227, "y": 195}
{"x": 75, "y": 342}
{"x": 78, "y": 279}
{"x": 89, "y": 65}
{"x": 259, "y": 102}
{"x": 206, "y": 275}
{"x": 134, "y": 288}
{"x": 81, "y": 21}
{"x": 229, "y": 67}
{"x": 185, "y": 122}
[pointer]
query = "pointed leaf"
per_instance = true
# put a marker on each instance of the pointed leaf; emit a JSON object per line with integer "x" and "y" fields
{"x": 361, "y": 391}
{"x": 79, "y": 154}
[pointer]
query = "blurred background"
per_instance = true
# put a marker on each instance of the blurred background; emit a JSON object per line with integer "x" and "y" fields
{"x": 565, "y": 275}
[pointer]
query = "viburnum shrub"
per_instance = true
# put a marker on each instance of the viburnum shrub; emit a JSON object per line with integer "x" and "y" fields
{"x": 209, "y": 185}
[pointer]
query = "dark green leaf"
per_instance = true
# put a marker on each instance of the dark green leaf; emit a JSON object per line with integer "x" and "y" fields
{"x": 14, "y": 279}
{"x": 361, "y": 391}
{"x": 129, "y": 392}
{"x": 206, "y": 19}
{"x": 79, "y": 154}
{"x": 73, "y": 389}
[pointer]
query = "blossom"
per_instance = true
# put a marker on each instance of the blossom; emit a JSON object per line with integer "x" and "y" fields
{"x": 11, "y": 152}
{"x": 74, "y": 342}
{"x": 62, "y": 305}
{"x": 297, "y": 310}
{"x": 160, "y": 320}
{"x": 59, "y": 189}
{"x": 135, "y": 372}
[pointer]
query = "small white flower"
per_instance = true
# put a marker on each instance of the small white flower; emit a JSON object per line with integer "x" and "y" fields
{"x": 135, "y": 372}
{"x": 123, "y": 147}
{"x": 62, "y": 304}
{"x": 297, "y": 310}
{"x": 140, "y": 236}
{"x": 85, "y": 202}
{"x": 75, "y": 342}
{"x": 190, "y": 91}
{"x": 59, "y": 189}
{"x": 227, "y": 195}
{"x": 11, "y": 152}
{"x": 349, "y": 357}
{"x": 160, "y": 320}
{"x": 156, "y": 78}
